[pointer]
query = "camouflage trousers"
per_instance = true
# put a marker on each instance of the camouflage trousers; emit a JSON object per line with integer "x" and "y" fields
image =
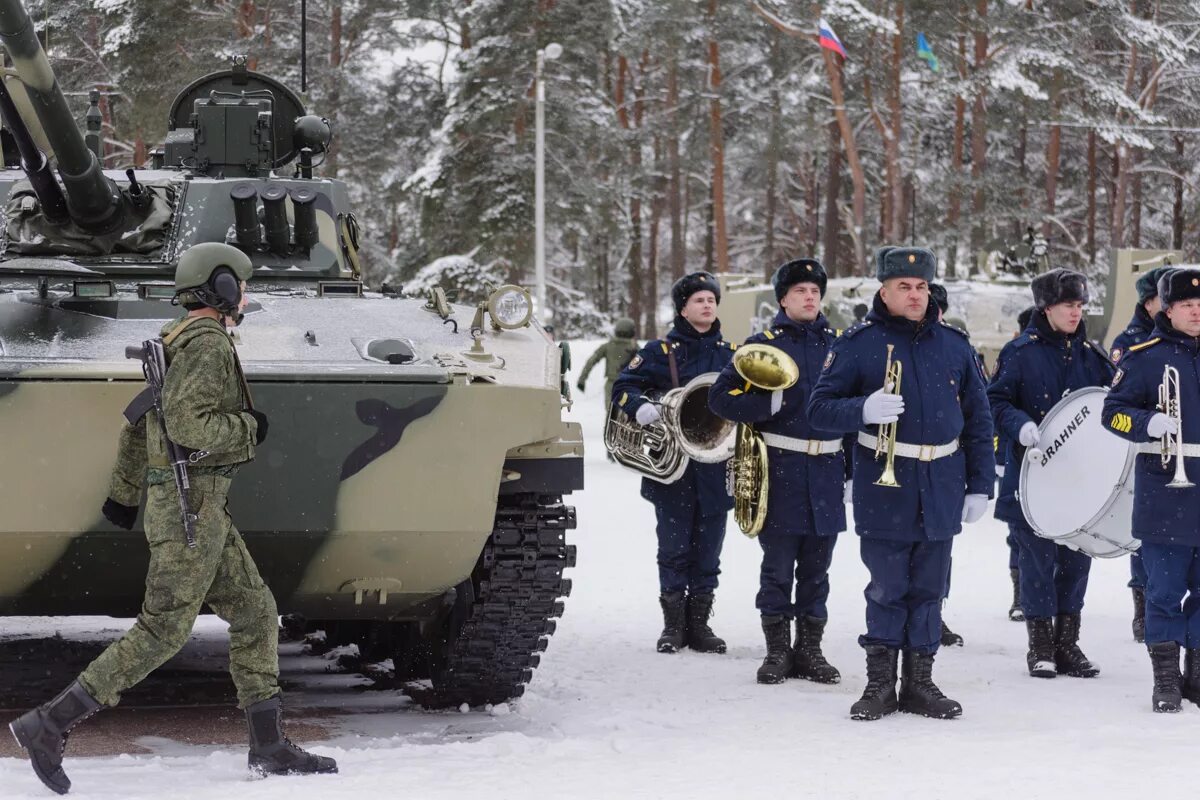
{"x": 218, "y": 571}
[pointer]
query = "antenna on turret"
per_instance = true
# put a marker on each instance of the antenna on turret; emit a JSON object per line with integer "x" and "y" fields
{"x": 303, "y": 46}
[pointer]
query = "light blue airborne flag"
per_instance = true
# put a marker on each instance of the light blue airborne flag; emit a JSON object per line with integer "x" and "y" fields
{"x": 924, "y": 51}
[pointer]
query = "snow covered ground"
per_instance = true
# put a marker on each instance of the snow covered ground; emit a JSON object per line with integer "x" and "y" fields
{"x": 608, "y": 717}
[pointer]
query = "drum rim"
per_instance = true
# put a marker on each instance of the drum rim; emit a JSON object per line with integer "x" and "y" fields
{"x": 1114, "y": 495}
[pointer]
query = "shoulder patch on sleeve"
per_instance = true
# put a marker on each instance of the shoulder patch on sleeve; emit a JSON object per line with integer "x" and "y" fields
{"x": 829, "y": 359}
{"x": 1115, "y": 355}
{"x": 1117, "y": 378}
{"x": 1145, "y": 344}
{"x": 635, "y": 362}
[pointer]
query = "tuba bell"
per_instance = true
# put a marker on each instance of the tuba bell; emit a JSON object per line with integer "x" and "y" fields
{"x": 771, "y": 369}
{"x": 687, "y": 430}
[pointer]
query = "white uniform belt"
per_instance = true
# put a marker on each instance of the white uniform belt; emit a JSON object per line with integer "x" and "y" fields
{"x": 921, "y": 452}
{"x": 1154, "y": 449}
{"x": 811, "y": 447}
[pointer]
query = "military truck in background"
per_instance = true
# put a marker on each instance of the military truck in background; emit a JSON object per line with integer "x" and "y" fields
{"x": 409, "y": 499}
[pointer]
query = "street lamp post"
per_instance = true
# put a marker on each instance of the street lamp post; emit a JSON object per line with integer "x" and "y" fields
{"x": 550, "y": 52}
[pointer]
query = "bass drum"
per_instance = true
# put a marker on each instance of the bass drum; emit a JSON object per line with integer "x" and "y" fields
{"x": 1080, "y": 492}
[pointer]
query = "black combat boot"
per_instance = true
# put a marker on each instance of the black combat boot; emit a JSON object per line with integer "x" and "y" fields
{"x": 1139, "y": 615}
{"x": 1168, "y": 694}
{"x": 879, "y": 697}
{"x": 949, "y": 637}
{"x": 919, "y": 694}
{"x": 1191, "y": 675}
{"x": 43, "y": 733}
{"x": 1040, "y": 657}
{"x": 700, "y": 637}
{"x": 1068, "y": 658}
{"x": 674, "y": 622}
{"x": 270, "y": 751}
{"x": 778, "y": 663}
{"x": 1015, "y": 612}
{"x": 809, "y": 662}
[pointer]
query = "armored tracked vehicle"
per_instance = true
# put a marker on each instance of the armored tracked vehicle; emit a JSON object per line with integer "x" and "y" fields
{"x": 409, "y": 498}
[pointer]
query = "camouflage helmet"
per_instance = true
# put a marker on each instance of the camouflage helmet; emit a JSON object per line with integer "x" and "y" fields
{"x": 624, "y": 328}
{"x": 210, "y": 275}
{"x": 199, "y": 261}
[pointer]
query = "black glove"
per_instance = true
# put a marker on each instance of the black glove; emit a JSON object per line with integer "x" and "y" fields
{"x": 119, "y": 515}
{"x": 261, "y": 419}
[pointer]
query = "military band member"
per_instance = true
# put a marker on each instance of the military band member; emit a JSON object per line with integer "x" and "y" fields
{"x": 1139, "y": 330}
{"x": 1166, "y": 518}
{"x": 1050, "y": 358}
{"x": 207, "y": 409}
{"x": 944, "y": 468}
{"x": 805, "y": 511}
{"x": 692, "y": 511}
{"x": 1015, "y": 612}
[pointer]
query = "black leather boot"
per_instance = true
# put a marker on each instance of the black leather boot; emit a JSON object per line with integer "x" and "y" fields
{"x": 778, "y": 663}
{"x": 1069, "y": 659}
{"x": 1015, "y": 612}
{"x": 919, "y": 694}
{"x": 674, "y": 622}
{"x": 949, "y": 638}
{"x": 808, "y": 661}
{"x": 43, "y": 733}
{"x": 1191, "y": 675}
{"x": 1139, "y": 614}
{"x": 700, "y": 637}
{"x": 1040, "y": 657}
{"x": 879, "y": 697}
{"x": 270, "y": 751}
{"x": 1168, "y": 693}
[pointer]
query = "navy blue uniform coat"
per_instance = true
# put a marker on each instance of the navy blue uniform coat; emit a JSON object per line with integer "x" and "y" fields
{"x": 1160, "y": 515}
{"x": 649, "y": 373}
{"x": 805, "y": 492}
{"x": 1033, "y": 373}
{"x": 945, "y": 399}
{"x": 1137, "y": 331}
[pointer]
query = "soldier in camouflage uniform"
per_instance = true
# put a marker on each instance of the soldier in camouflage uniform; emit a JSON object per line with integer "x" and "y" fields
{"x": 616, "y": 353}
{"x": 208, "y": 410}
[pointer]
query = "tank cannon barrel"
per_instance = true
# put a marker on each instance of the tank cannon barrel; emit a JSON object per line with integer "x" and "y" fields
{"x": 93, "y": 201}
{"x": 34, "y": 162}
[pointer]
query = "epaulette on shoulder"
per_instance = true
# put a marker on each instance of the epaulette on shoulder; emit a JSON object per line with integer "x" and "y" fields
{"x": 856, "y": 329}
{"x": 961, "y": 331}
{"x": 1145, "y": 344}
{"x": 1022, "y": 340}
{"x": 729, "y": 344}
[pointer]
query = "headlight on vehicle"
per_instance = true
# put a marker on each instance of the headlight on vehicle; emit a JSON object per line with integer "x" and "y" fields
{"x": 510, "y": 307}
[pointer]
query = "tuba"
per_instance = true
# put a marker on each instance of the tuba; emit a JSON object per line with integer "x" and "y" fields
{"x": 1172, "y": 443}
{"x": 687, "y": 430}
{"x": 768, "y": 368}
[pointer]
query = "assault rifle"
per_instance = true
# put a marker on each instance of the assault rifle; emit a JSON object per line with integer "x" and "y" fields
{"x": 154, "y": 367}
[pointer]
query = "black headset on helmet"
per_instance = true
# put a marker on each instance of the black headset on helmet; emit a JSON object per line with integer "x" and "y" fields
{"x": 222, "y": 291}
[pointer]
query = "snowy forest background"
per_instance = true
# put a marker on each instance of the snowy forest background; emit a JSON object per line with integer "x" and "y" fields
{"x": 694, "y": 134}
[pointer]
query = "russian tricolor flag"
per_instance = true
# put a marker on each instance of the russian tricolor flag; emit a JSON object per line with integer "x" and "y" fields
{"x": 828, "y": 39}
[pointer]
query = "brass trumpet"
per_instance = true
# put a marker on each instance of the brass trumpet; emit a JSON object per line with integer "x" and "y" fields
{"x": 1172, "y": 443}
{"x": 886, "y": 440}
{"x": 771, "y": 369}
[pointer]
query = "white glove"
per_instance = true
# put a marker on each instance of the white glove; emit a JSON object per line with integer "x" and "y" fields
{"x": 848, "y": 493}
{"x": 776, "y": 401}
{"x": 1028, "y": 437}
{"x": 647, "y": 414}
{"x": 974, "y": 506}
{"x": 882, "y": 408}
{"x": 1160, "y": 425}
{"x": 999, "y": 470}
